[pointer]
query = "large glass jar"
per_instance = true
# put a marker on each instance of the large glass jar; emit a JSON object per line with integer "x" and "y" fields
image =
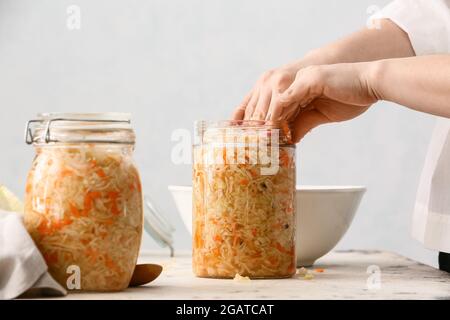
{"x": 83, "y": 203}
{"x": 243, "y": 200}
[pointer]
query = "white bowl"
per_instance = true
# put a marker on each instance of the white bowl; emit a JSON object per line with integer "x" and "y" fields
{"x": 324, "y": 214}
{"x": 183, "y": 201}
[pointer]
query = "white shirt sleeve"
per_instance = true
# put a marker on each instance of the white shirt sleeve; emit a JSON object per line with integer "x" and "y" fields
{"x": 427, "y": 23}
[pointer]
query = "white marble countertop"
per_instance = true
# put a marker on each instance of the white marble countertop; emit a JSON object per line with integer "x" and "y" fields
{"x": 347, "y": 275}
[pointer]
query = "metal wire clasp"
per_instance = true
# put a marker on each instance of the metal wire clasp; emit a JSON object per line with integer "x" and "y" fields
{"x": 29, "y": 138}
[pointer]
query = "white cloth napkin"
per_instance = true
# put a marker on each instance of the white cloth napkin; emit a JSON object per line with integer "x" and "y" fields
{"x": 23, "y": 271}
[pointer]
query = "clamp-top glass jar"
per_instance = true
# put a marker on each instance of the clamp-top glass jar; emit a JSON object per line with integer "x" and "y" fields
{"x": 83, "y": 203}
{"x": 244, "y": 200}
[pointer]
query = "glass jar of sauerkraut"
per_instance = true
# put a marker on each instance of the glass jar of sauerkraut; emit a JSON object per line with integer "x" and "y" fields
{"x": 83, "y": 203}
{"x": 244, "y": 200}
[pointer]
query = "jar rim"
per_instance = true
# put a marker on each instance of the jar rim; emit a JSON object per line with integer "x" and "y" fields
{"x": 56, "y": 127}
{"x": 102, "y": 116}
{"x": 283, "y": 127}
{"x": 245, "y": 123}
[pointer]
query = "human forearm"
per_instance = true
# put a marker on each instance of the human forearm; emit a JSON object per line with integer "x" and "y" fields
{"x": 420, "y": 83}
{"x": 388, "y": 41}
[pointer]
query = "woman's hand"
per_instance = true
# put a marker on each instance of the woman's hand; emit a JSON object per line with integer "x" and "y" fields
{"x": 311, "y": 96}
{"x": 319, "y": 71}
{"x": 338, "y": 92}
{"x": 323, "y": 94}
{"x": 264, "y": 96}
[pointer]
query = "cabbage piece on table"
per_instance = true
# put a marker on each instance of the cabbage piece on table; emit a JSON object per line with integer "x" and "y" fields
{"x": 8, "y": 201}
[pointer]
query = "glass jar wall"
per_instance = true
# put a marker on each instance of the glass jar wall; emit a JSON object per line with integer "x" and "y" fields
{"x": 244, "y": 200}
{"x": 83, "y": 205}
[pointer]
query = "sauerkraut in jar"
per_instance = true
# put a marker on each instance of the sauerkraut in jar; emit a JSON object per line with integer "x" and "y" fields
{"x": 83, "y": 203}
{"x": 244, "y": 200}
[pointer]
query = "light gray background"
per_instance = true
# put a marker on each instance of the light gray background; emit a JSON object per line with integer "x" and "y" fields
{"x": 171, "y": 62}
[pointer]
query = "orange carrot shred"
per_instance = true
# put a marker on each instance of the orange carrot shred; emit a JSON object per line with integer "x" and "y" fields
{"x": 51, "y": 258}
{"x": 89, "y": 201}
{"x": 110, "y": 264}
{"x": 74, "y": 210}
{"x": 101, "y": 173}
{"x": 92, "y": 254}
{"x": 109, "y": 222}
{"x": 113, "y": 195}
{"x": 65, "y": 173}
{"x": 244, "y": 182}
{"x": 43, "y": 228}
{"x": 284, "y": 160}
{"x": 273, "y": 260}
{"x": 235, "y": 240}
{"x": 115, "y": 210}
{"x": 94, "y": 194}
{"x": 277, "y": 225}
{"x": 224, "y": 155}
{"x": 280, "y": 248}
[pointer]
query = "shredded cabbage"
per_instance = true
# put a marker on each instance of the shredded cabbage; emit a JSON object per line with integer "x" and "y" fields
{"x": 83, "y": 208}
{"x": 244, "y": 221}
{"x": 9, "y": 201}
